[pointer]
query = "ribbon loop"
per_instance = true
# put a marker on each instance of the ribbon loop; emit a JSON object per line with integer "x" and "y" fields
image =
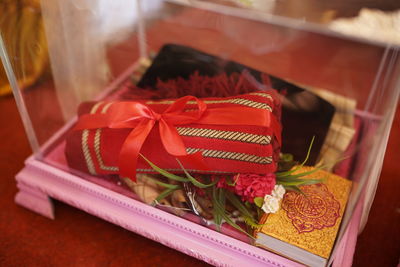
{"x": 176, "y": 113}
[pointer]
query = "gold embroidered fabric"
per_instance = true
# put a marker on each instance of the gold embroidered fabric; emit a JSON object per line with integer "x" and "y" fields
{"x": 311, "y": 222}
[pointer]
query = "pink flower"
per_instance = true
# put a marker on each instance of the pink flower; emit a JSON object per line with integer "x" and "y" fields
{"x": 249, "y": 186}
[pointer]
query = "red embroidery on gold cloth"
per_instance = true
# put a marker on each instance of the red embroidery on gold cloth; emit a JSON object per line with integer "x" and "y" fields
{"x": 317, "y": 209}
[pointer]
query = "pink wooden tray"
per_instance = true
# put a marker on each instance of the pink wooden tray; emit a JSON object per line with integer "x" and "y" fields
{"x": 38, "y": 182}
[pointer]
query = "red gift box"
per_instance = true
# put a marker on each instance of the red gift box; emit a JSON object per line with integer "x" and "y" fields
{"x": 239, "y": 134}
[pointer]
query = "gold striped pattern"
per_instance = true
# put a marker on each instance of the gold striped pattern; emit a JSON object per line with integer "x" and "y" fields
{"x": 106, "y": 107}
{"x": 207, "y": 153}
{"x": 180, "y": 170}
{"x": 262, "y": 94}
{"x": 97, "y": 142}
{"x": 85, "y": 146}
{"x": 237, "y": 101}
{"x": 98, "y": 155}
{"x": 225, "y": 135}
{"x": 86, "y": 152}
{"x": 230, "y": 155}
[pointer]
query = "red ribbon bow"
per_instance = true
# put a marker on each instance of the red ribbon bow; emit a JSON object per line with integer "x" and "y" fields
{"x": 142, "y": 118}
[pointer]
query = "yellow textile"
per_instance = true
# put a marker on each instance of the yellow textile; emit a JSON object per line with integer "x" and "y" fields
{"x": 311, "y": 221}
{"x": 22, "y": 29}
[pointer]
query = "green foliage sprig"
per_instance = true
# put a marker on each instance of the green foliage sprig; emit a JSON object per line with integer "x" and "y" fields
{"x": 290, "y": 179}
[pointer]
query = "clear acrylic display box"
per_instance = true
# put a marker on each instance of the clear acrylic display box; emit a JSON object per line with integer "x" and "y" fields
{"x": 98, "y": 50}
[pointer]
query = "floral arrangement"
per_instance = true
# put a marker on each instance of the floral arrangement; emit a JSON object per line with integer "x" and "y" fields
{"x": 237, "y": 198}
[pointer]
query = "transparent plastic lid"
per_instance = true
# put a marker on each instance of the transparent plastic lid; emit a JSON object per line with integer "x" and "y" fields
{"x": 68, "y": 59}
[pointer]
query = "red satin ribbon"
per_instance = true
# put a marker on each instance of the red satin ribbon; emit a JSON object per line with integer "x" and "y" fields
{"x": 142, "y": 118}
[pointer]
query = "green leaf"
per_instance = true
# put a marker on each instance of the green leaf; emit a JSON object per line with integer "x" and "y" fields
{"x": 301, "y": 182}
{"x": 221, "y": 197}
{"x": 259, "y": 212}
{"x": 287, "y": 157}
{"x": 308, "y": 151}
{"x": 216, "y": 197}
{"x": 240, "y": 206}
{"x": 250, "y": 222}
{"x": 193, "y": 180}
{"x": 170, "y": 186}
{"x": 246, "y": 214}
{"x": 295, "y": 189}
{"x": 301, "y": 174}
{"x": 296, "y": 179}
{"x": 164, "y": 172}
{"x": 304, "y": 174}
{"x": 163, "y": 195}
{"x": 221, "y": 211}
{"x": 229, "y": 181}
{"x": 287, "y": 173}
{"x": 259, "y": 201}
{"x": 247, "y": 204}
{"x": 234, "y": 225}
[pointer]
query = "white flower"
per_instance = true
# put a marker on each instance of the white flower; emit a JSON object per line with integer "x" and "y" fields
{"x": 279, "y": 191}
{"x": 271, "y": 204}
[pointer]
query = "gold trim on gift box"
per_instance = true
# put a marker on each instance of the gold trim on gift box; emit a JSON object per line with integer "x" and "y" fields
{"x": 188, "y": 170}
{"x": 220, "y": 154}
{"x": 207, "y": 153}
{"x": 225, "y": 135}
{"x": 86, "y": 152}
{"x": 238, "y": 101}
{"x": 85, "y": 146}
{"x": 262, "y": 94}
{"x": 97, "y": 137}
